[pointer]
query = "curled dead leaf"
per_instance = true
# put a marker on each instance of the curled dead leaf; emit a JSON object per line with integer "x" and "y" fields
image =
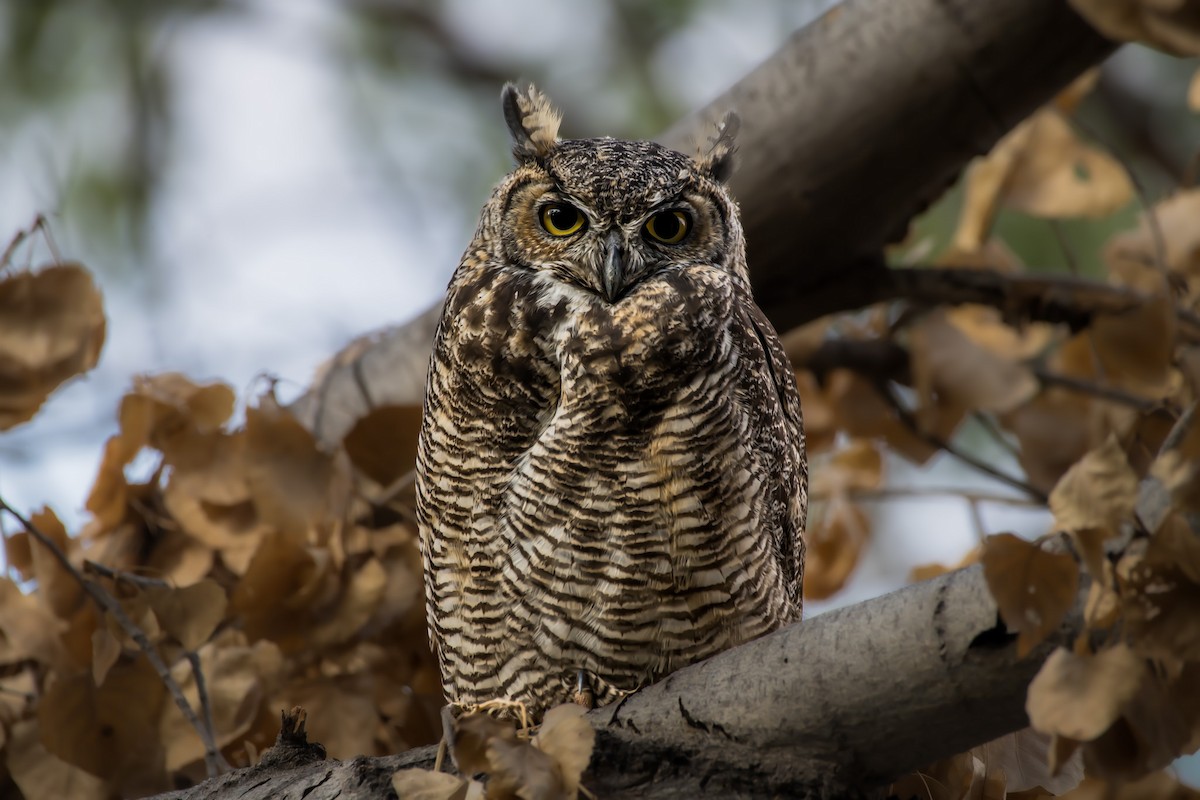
{"x": 1079, "y": 697}
{"x": 110, "y": 731}
{"x": 835, "y": 541}
{"x": 1034, "y": 589}
{"x": 518, "y": 770}
{"x": 423, "y": 784}
{"x": 189, "y": 614}
{"x": 52, "y": 328}
{"x": 1042, "y": 168}
{"x": 294, "y": 484}
{"x": 472, "y": 733}
{"x": 567, "y": 737}
{"x": 1099, "y": 491}
{"x": 948, "y": 364}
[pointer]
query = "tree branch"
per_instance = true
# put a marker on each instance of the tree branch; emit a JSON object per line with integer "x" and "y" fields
{"x": 826, "y": 708}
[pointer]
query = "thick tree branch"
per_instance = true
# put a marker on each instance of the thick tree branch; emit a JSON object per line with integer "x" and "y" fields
{"x": 863, "y": 118}
{"x": 834, "y": 707}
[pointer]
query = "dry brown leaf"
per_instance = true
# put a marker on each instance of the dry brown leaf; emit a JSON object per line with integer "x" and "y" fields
{"x": 1053, "y": 434}
{"x": 1162, "y": 595}
{"x": 1103, "y": 606}
{"x": 856, "y": 467}
{"x": 1135, "y": 347}
{"x": 1021, "y": 757}
{"x": 1058, "y": 175}
{"x": 189, "y": 614}
{"x": 1099, "y": 491}
{"x": 947, "y": 364}
{"x": 423, "y": 784}
{"x": 1156, "y": 726}
{"x": 293, "y": 484}
{"x": 30, "y": 631}
{"x": 383, "y": 444}
{"x": 282, "y": 586}
{"x": 472, "y": 733}
{"x": 567, "y": 737}
{"x": 835, "y": 542}
{"x": 1034, "y": 589}
{"x": 40, "y": 774}
{"x": 1133, "y": 255}
{"x": 362, "y": 592}
{"x": 986, "y": 327}
{"x": 1169, "y": 25}
{"x": 105, "y": 652}
{"x": 52, "y": 328}
{"x": 111, "y": 730}
{"x": 108, "y": 497}
{"x": 1041, "y": 168}
{"x": 1079, "y": 697}
{"x": 57, "y": 588}
{"x": 860, "y": 412}
{"x": 520, "y": 770}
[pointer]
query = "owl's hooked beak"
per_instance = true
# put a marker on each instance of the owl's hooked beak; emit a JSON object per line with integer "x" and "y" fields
{"x": 612, "y": 275}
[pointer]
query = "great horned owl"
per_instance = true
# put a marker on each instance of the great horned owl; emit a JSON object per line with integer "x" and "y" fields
{"x": 611, "y": 477}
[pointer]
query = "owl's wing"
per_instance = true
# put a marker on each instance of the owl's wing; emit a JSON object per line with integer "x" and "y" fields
{"x": 780, "y": 429}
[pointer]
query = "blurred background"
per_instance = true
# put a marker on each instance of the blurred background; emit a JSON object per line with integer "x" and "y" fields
{"x": 255, "y": 182}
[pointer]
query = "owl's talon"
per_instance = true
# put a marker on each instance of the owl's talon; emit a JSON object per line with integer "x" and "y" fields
{"x": 584, "y": 694}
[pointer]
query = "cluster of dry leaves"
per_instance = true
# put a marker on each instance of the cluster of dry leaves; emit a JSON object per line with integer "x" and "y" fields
{"x": 251, "y": 566}
{"x": 1100, "y": 419}
{"x": 548, "y": 764}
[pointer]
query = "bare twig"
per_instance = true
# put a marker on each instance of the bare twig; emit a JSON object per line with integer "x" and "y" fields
{"x": 213, "y": 760}
{"x": 1099, "y": 390}
{"x": 933, "y": 439}
{"x": 37, "y": 226}
{"x": 193, "y": 658}
{"x": 909, "y": 492}
{"x": 121, "y": 576}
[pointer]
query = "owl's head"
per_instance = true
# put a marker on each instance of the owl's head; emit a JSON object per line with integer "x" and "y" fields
{"x": 605, "y": 214}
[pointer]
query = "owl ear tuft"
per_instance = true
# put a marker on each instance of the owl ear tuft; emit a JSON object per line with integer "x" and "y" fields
{"x": 532, "y": 121}
{"x": 717, "y": 162}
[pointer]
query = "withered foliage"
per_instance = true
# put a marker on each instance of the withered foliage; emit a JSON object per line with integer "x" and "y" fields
{"x": 286, "y": 574}
{"x": 255, "y": 570}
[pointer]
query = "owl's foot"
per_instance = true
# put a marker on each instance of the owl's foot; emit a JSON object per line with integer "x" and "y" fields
{"x": 500, "y": 707}
{"x": 592, "y": 691}
{"x": 584, "y": 695}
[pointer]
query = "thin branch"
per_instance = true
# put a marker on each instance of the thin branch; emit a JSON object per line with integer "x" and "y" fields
{"x": 917, "y": 492}
{"x": 1142, "y": 404}
{"x": 121, "y": 576}
{"x": 213, "y": 760}
{"x": 1058, "y": 299}
{"x": 193, "y": 658}
{"x": 910, "y": 422}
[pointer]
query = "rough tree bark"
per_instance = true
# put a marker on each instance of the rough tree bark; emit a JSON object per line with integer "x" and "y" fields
{"x": 854, "y": 126}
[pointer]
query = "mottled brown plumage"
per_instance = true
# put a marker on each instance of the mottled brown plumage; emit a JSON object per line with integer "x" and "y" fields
{"x": 611, "y": 478}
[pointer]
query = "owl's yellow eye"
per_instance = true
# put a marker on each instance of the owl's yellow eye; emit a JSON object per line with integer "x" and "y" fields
{"x": 561, "y": 219}
{"x": 669, "y": 227}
